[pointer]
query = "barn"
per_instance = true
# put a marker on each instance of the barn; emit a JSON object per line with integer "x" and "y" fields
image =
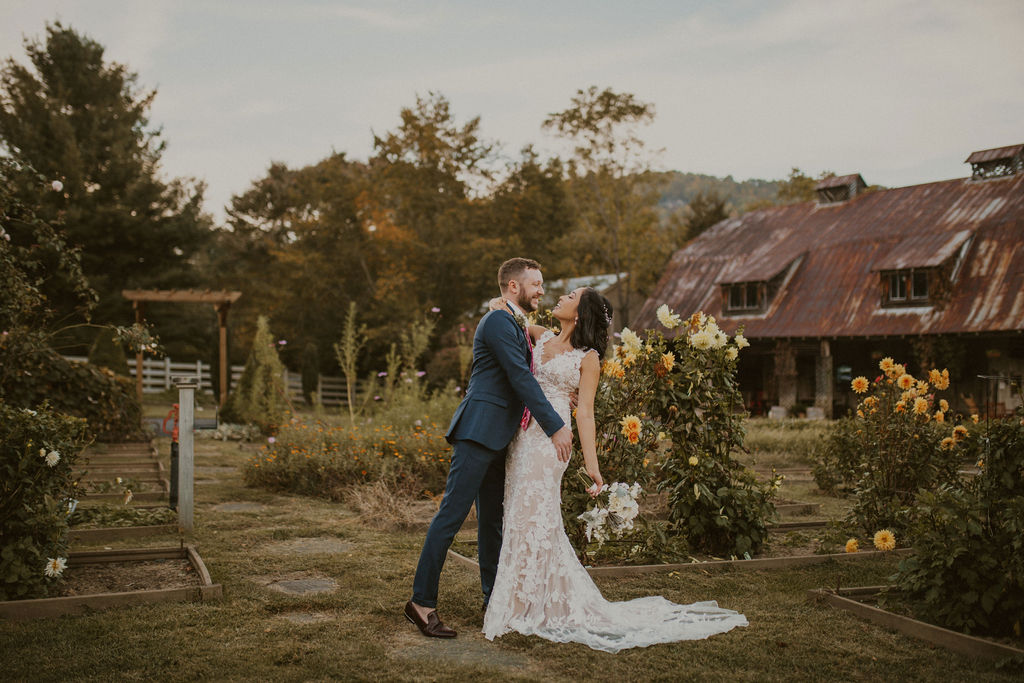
{"x": 931, "y": 275}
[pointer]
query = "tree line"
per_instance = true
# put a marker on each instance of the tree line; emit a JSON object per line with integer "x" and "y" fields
{"x": 420, "y": 225}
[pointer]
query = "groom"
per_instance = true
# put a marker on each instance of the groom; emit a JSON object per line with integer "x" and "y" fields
{"x": 480, "y": 432}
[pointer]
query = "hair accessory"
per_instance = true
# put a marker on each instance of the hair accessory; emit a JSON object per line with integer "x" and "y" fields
{"x": 607, "y": 318}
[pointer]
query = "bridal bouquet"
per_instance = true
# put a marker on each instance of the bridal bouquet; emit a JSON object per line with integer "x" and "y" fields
{"x": 615, "y": 516}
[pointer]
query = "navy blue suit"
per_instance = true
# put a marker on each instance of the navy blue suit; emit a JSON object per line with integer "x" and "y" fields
{"x": 481, "y": 429}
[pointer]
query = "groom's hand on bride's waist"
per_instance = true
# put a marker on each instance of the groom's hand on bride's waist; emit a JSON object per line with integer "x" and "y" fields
{"x": 562, "y": 440}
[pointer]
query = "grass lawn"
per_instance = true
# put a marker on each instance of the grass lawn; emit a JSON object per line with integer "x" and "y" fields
{"x": 357, "y": 631}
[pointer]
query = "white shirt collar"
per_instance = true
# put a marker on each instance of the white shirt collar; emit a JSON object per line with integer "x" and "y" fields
{"x": 515, "y": 308}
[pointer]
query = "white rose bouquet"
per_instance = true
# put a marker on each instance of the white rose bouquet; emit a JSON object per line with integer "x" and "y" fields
{"x": 614, "y": 513}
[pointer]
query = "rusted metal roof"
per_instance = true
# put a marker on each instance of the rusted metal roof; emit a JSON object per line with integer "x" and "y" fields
{"x": 836, "y": 250}
{"x": 993, "y": 154}
{"x": 840, "y": 181}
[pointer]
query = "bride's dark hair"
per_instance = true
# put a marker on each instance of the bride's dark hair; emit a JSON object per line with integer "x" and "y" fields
{"x": 594, "y": 317}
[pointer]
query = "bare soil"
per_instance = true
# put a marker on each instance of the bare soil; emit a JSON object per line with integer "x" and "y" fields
{"x": 121, "y": 577}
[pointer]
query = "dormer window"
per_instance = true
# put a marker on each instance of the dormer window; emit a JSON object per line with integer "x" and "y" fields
{"x": 746, "y": 297}
{"x": 907, "y": 287}
{"x": 996, "y": 163}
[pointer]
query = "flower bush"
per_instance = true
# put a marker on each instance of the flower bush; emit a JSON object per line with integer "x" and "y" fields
{"x": 402, "y": 445}
{"x": 684, "y": 423}
{"x": 38, "y": 449}
{"x": 967, "y": 572}
{"x": 895, "y": 444}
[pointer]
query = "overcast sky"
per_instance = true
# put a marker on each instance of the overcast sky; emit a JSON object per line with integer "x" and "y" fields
{"x": 898, "y": 90}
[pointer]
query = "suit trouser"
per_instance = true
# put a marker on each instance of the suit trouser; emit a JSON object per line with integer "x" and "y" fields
{"x": 476, "y": 474}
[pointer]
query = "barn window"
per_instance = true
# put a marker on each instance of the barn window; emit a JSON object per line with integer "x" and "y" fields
{"x": 907, "y": 286}
{"x": 745, "y": 296}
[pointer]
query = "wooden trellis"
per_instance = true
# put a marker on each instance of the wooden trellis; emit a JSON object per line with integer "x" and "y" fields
{"x": 221, "y": 303}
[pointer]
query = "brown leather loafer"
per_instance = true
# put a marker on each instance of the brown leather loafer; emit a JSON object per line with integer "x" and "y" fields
{"x": 432, "y": 627}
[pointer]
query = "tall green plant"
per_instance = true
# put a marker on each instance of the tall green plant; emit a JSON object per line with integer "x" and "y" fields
{"x": 669, "y": 416}
{"x": 353, "y": 338}
{"x": 260, "y": 397}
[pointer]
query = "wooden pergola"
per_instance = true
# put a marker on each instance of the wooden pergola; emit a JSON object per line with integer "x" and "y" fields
{"x": 221, "y": 303}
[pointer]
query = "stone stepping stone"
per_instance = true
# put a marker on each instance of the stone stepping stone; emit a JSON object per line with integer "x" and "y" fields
{"x": 239, "y": 507}
{"x": 306, "y": 617}
{"x": 304, "y": 586}
{"x": 310, "y": 546}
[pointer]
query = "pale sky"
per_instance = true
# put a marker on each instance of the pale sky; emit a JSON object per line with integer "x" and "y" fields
{"x": 900, "y": 91}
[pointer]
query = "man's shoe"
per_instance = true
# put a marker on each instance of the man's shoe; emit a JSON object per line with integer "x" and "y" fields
{"x": 432, "y": 627}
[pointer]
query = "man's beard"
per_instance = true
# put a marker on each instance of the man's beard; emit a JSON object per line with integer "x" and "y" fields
{"x": 526, "y": 303}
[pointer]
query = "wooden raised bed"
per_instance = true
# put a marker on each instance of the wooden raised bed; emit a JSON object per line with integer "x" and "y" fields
{"x": 49, "y": 607}
{"x": 845, "y": 598}
{"x": 763, "y": 563}
{"x": 118, "y": 533}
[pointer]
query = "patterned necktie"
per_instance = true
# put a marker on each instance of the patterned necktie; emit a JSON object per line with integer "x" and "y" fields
{"x": 525, "y": 422}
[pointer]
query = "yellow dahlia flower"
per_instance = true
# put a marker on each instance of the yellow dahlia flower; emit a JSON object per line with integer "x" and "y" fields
{"x": 920, "y": 406}
{"x": 947, "y": 443}
{"x": 884, "y": 540}
{"x": 859, "y": 384}
{"x": 885, "y": 366}
{"x": 905, "y": 382}
{"x": 852, "y": 544}
{"x": 960, "y": 432}
{"x": 939, "y": 416}
{"x": 943, "y": 405}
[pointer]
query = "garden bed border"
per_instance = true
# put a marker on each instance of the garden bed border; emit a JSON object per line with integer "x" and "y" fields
{"x": 104, "y": 534}
{"x": 18, "y": 610}
{"x": 951, "y": 640}
{"x": 762, "y": 563}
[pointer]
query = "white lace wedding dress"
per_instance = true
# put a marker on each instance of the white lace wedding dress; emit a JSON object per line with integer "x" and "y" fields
{"x": 541, "y": 588}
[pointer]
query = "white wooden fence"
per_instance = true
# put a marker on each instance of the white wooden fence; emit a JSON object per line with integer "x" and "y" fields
{"x": 157, "y": 374}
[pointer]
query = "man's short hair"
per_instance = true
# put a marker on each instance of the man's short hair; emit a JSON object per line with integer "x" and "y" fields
{"x": 513, "y": 269}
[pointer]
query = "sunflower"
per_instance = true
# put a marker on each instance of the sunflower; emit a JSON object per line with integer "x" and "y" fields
{"x": 859, "y": 384}
{"x": 884, "y": 540}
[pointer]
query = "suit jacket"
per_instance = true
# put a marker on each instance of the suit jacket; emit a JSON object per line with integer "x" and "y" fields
{"x": 499, "y": 385}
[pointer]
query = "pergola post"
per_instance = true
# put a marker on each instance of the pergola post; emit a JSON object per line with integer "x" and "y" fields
{"x": 222, "y": 321}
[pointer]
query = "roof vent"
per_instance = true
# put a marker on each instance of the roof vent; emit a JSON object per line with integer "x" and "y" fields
{"x": 839, "y": 188}
{"x": 996, "y": 163}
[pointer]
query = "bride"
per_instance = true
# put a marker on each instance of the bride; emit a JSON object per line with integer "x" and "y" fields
{"x": 541, "y": 588}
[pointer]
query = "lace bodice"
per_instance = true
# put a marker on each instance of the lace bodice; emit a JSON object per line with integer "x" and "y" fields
{"x": 541, "y": 588}
{"x": 558, "y": 375}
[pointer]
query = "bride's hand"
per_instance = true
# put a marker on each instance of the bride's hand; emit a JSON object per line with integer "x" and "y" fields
{"x": 598, "y": 484}
{"x": 497, "y": 303}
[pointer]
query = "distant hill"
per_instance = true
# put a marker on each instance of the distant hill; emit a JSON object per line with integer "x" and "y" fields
{"x": 680, "y": 189}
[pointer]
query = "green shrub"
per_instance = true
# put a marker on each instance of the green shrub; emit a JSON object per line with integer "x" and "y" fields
{"x": 38, "y": 374}
{"x": 967, "y": 572}
{"x": 897, "y": 443}
{"x": 106, "y": 352}
{"x": 38, "y": 449}
{"x": 260, "y": 396}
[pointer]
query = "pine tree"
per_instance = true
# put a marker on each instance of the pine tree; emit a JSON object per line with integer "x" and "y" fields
{"x": 260, "y": 396}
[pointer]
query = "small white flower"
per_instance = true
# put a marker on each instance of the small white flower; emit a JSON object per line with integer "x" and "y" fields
{"x": 720, "y": 339}
{"x": 57, "y": 185}
{"x": 128, "y": 496}
{"x": 117, "y": 479}
{"x": 42, "y": 452}
{"x": 667, "y": 318}
{"x": 732, "y": 352}
{"x": 30, "y": 412}
{"x": 72, "y": 506}
{"x": 52, "y": 458}
{"x": 631, "y": 343}
{"x": 701, "y": 339}
{"x": 55, "y": 566}
{"x": 693, "y": 461}
{"x": 741, "y": 341}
